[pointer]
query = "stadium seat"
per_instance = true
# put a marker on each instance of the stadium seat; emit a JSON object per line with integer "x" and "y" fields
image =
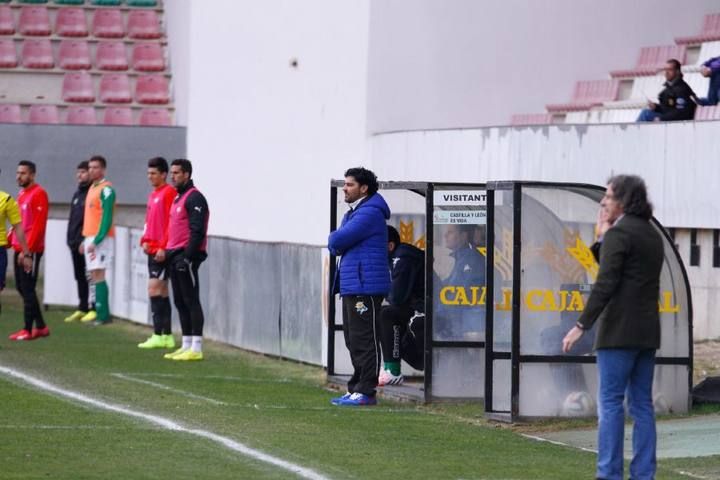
{"x": 652, "y": 59}
{"x": 115, "y": 88}
{"x": 148, "y": 57}
{"x": 81, "y": 116}
{"x": 70, "y": 2}
{"x": 707, "y": 113}
{"x": 111, "y": 56}
{"x": 710, "y": 32}
{"x": 7, "y": 20}
{"x": 152, "y": 89}
{"x": 71, "y": 22}
{"x": 108, "y": 24}
{"x": 118, "y": 116}
{"x": 143, "y": 24}
{"x": 8, "y": 54}
{"x": 34, "y": 21}
{"x": 531, "y": 119}
{"x": 107, "y": 3}
{"x": 33, "y": 1}
{"x": 37, "y": 53}
{"x": 142, "y": 3}
{"x": 155, "y": 117}
{"x": 78, "y": 87}
{"x": 44, "y": 114}
{"x": 74, "y": 55}
{"x": 10, "y": 114}
{"x": 588, "y": 94}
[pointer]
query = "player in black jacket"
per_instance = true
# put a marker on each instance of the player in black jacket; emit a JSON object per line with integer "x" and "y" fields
{"x": 75, "y": 238}
{"x": 402, "y": 323}
{"x": 677, "y": 100}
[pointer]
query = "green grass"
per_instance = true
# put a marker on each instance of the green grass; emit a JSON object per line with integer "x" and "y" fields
{"x": 279, "y": 407}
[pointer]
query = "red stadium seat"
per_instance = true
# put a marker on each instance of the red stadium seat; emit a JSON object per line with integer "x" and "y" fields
{"x": 653, "y": 59}
{"x": 155, "y": 117}
{"x": 707, "y": 113}
{"x": 74, "y": 55}
{"x": 81, "y": 116}
{"x": 37, "y": 53}
{"x": 34, "y": 21}
{"x": 115, "y": 88}
{"x": 588, "y": 94}
{"x": 44, "y": 114}
{"x": 8, "y": 54}
{"x": 7, "y": 21}
{"x": 71, "y": 22}
{"x": 531, "y": 119}
{"x": 118, "y": 116}
{"x": 10, "y": 114}
{"x": 108, "y": 23}
{"x": 111, "y": 56}
{"x": 143, "y": 24}
{"x": 710, "y": 32}
{"x": 148, "y": 57}
{"x": 78, "y": 87}
{"x": 152, "y": 89}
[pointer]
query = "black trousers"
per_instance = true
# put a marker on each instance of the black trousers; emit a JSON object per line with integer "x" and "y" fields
{"x": 25, "y": 282}
{"x": 81, "y": 278}
{"x": 361, "y": 314}
{"x": 399, "y": 339}
{"x": 186, "y": 293}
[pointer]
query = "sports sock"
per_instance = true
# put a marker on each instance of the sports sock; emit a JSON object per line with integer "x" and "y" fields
{"x": 187, "y": 342}
{"x": 393, "y": 367}
{"x": 102, "y": 301}
{"x": 197, "y": 344}
{"x": 166, "y": 316}
{"x": 156, "y": 308}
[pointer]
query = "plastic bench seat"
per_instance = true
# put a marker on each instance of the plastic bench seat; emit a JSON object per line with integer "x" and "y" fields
{"x": 118, "y": 116}
{"x": 70, "y": 2}
{"x": 8, "y": 54}
{"x": 152, "y": 89}
{"x": 531, "y": 119}
{"x": 710, "y": 32}
{"x": 34, "y": 21}
{"x": 7, "y": 20}
{"x": 142, "y": 3}
{"x": 78, "y": 87}
{"x": 148, "y": 57}
{"x": 107, "y": 3}
{"x": 35, "y": 2}
{"x": 115, "y": 88}
{"x": 44, "y": 114}
{"x": 111, "y": 56}
{"x": 10, "y": 114}
{"x": 108, "y": 24}
{"x": 37, "y": 53}
{"x": 653, "y": 59}
{"x": 155, "y": 117}
{"x": 81, "y": 116}
{"x": 143, "y": 24}
{"x": 74, "y": 55}
{"x": 71, "y": 22}
{"x": 588, "y": 94}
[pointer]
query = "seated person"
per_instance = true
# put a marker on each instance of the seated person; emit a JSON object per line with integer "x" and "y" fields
{"x": 677, "y": 100}
{"x": 711, "y": 69}
{"x": 402, "y": 322}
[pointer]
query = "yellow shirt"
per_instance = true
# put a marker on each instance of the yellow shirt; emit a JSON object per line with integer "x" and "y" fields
{"x": 9, "y": 212}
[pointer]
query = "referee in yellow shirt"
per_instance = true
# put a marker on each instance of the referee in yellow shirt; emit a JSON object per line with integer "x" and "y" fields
{"x": 10, "y": 213}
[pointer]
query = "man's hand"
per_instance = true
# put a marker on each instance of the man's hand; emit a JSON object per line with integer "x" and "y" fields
{"x": 603, "y": 223}
{"x": 145, "y": 247}
{"x": 160, "y": 255}
{"x": 571, "y": 338}
{"x": 91, "y": 251}
{"x": 81, "y": 249}
{"x": 652, "y": 105}
{"x": 26, "y": 261}
{"x": 705, "y": 71}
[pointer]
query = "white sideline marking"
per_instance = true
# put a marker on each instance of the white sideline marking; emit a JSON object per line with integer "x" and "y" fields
{"x": 555, "y": 442}
{"x": 214, "y": 377}
{"x": 167, "y": 424}
{"x": 169, "y": 389}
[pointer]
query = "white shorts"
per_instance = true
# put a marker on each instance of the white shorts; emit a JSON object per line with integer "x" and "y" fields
{"x": 103, "y": 257}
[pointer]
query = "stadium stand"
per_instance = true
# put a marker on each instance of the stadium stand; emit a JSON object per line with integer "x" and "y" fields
{"x": 44, "y": 114}
{"x": 115, "y": 88}
{"x": 710, "y": 32}
{"x": 143, "y": 24}
{"x": 531, "y": 119}
{"x": 148, "y": 57}
{"x": 651, "y": 60}
{"x": 156, "y": 117}
{"x": 111, "y": 56}
{"x": 81, "y": 116}
{"x": 588, "y": 94}
{"x": 34, "y": 21}
{"x": 74, "y": 55}
{"x": 118, "y": 116}
{"x": 152, "y": 89}
{"x": 37, "y": 54}
{"x": 10, "y": 114}
{"x": 108, "y": 24}
{"x": 707, "y": 113}
{"x": 71, "y": 22}
{"x": 78, "y": 87}
{"x": 8, "y": 54}
{"x": 7, "y": 20}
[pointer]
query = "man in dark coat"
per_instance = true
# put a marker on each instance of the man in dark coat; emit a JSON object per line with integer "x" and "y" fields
{"x": 75, "y": 238}
{"x": 677, "y": 100}
{"x": 624, "y": 299}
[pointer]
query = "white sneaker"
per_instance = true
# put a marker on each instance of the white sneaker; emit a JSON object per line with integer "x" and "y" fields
{"x": 387, "y": 378}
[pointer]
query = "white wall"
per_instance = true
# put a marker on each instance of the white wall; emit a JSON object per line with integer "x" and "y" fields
{"x": 459, "y": 63}
{"x": 266, "y": 138}
{"x": 177, "y": 25}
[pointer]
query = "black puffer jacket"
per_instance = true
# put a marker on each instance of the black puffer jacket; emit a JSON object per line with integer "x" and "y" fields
{"x": 408, "y": 277}
{"x": 77, "y": 215}
{"x": 677, "y": 101}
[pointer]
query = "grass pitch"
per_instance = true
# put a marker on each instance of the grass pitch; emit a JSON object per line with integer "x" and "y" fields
{"x": 277, "y": 407}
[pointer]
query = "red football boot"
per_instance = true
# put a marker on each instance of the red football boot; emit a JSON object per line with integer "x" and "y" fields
{"x": 21, "y": 335}
{"x": 40, "y": 332}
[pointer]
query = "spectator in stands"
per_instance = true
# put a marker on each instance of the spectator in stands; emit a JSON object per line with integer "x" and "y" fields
{"x": 362, "y": 279}
{"x": 33, "y": 202}
{"x": 99, "y": 232}
{"x": 75, "y": 239}
{"x": 677, "y": 100}
{"x": 711, "y": 69}
{"x": 186, "y": 249}
{"x": 402, "y": 322}
{"x": 154, "y": 242}
{"x": 624, "y": 302}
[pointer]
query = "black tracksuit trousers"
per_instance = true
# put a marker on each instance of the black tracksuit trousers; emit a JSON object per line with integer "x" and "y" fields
{"x": 25, "y": 283}
{"x": 186, "y": 293}
{"x": 361, "y": 315}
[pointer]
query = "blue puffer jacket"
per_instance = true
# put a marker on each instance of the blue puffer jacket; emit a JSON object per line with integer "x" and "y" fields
{"x": 362, "y": 242}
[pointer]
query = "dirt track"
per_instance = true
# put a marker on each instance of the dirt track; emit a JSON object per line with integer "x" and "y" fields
{"x": 707, "y": 360}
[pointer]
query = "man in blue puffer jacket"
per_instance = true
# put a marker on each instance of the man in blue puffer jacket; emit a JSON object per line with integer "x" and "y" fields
{"x": 362, "y": 279}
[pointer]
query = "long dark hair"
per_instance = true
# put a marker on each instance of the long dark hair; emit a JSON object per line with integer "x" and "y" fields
{"x": 631, "y": 192}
